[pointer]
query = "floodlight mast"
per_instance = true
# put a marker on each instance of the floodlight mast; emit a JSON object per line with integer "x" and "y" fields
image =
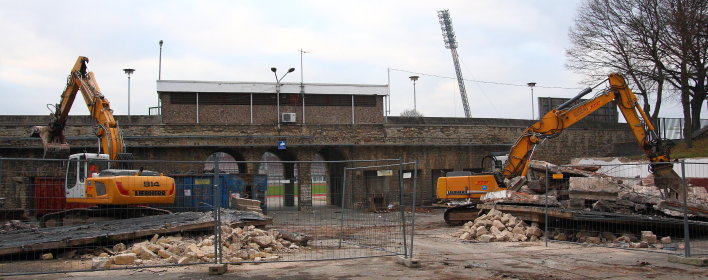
{"x": 451, "y": 43}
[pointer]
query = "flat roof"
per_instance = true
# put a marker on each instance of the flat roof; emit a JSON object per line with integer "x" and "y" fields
{"x": 256, "y": 87}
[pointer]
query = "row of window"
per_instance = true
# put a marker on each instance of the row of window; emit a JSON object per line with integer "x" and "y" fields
{"x": 287, "y": 99}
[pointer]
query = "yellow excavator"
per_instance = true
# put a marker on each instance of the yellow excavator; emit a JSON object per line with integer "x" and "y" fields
{"x": 89, "y": 176}
{"x": 467, "y": 189}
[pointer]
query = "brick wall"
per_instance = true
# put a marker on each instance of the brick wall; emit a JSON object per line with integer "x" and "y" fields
{"x": 266, "y": 114}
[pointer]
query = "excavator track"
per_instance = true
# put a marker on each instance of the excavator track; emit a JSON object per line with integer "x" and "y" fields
{"x": 99, "y": 213}
{"x": 461, "y": 214}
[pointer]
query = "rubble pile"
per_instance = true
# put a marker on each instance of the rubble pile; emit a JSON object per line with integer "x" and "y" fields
{"x": 584, "y": 189}
{"x": 14, "y": 225}
{"x": 499, "y": 227}
{"x": 628, "y": 240}
{"x": 238, "y": 244}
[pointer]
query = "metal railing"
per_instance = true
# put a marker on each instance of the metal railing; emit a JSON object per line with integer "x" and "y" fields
{"x": 624, "y": 208}
{"x": 215, "y": 217}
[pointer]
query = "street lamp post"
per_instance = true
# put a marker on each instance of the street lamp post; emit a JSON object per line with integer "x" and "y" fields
{"x": 302, "y": 86}
{"x": 128, "y": 71}
{"x": 159, "y": 66}
{"x": 277, "y": 89}
{"x": 414, "y": 78}
{"x": 533, "y": 113}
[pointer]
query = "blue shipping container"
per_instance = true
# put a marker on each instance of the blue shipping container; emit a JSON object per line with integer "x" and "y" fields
{"x": 196, "y": 192}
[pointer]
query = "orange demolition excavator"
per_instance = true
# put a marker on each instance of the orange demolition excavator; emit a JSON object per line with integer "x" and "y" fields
{"x": 469, "y": 188}
{"x": 89, "y": 176}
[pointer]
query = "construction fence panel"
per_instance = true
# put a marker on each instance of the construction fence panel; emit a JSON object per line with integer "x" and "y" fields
{"x": 358, "y": 209}
{"x": 352, "y": 212}
{"x": 622, "y": 207}
{"x": 47, "y": 229}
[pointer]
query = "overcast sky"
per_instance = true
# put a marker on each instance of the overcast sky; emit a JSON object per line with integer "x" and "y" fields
{"x": 510, "y": 42}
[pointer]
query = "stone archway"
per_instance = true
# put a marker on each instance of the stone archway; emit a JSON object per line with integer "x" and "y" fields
{"x": 334, "y": 174}
{"x": 227, "y": 162}
{"x": 281, "y": 178}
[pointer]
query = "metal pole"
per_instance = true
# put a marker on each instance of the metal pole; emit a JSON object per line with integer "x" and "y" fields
{"x": 352, "y": 109}
{"x": 415, "y": 181}
{"x": 217, "y": 212}
{"x": 533, "y": 112}
{"x": 415, "y": 108}
{"x": 341, "y": 218}
{"x": 277, "y": 91}
{"x": 545, "y": 210}
{"x": 400, "y": 202}
{"x": 686, "y": 235}
{"x": 197, "y": 107}
{"x": 159, "y": 67}
{"x": 128, "y": 95}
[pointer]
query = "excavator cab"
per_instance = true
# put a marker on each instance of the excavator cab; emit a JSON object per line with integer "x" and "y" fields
{"x": 80, "y": 168}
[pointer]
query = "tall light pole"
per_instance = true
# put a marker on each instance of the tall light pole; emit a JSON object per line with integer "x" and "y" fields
{"x": 159, "y": 66}
{"x": 302, "y": 86}
{"x": 414, "y": 78}
{"x": 277, "y": 88}
{"x": 128, "y": 71}
{"x": 533, "y": 113}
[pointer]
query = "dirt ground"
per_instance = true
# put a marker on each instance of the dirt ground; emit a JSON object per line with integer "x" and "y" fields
{"x": 442, "y": 257}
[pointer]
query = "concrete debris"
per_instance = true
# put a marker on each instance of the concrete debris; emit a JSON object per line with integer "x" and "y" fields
{"x": 587, "y": 190}
{"x": 496, "y": 226}
{"x": 594, "y": 188}
{"x": 540, "y": 166}
{"x": 16, "y": 225}
{"x": 238, "y": 244}
{"x": 245, "y": 204}
{"x": 628, "y": 240}
{"x": 508, "y": 196}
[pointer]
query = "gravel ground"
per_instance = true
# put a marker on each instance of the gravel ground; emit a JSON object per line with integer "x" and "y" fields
{"x": 442, "y": 257}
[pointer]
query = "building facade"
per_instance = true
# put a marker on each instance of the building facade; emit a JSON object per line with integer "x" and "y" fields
{"x": 211, "y": 102}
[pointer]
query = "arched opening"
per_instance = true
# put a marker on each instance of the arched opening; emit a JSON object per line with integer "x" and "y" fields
{"x": 227, "y": 163}
{"x": 282, "y": 191}
{"x": 334, "y": 173}
{"x": 320, "y": 188}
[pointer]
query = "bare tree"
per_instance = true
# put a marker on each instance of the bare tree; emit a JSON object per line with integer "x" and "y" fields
{"x": 660, "y": 45}
{"x": 411, "y": 113}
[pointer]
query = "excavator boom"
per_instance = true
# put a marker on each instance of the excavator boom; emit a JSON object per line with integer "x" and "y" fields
{"x": 81, "y": 80}
{"x": 565, "y": 115}
{"x": 551, "y": 125}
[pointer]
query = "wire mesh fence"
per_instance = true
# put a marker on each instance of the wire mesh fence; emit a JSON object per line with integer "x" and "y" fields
{"x": 85, "y": 214}
{"x": 626, "y": 206}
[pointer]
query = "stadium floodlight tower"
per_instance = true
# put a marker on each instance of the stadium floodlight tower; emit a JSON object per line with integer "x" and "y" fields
{"x": 451, "y": 43}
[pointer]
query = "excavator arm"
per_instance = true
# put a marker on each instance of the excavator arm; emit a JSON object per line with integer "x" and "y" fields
{"x": 555, "y": 121}
{"x": 80, "y": 80}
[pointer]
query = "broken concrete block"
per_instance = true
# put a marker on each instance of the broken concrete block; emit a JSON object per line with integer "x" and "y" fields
{"x": 145, "y": 253}
{"x": 534, "y": 231}
{"x": 187, "y": 259}
{"x": 465, "y": 236}
{"x": 593, "y": 188}
{"x": 263, "y": 240}
{"x": 666, "y": 240}
{"x": 593, "y": 240}
{"x": 495, "y": 231}
{"x": 120, "y": 247}
{"x": 609, "y": 237}
{"x": 649, "y": 237}
{"x": 124, "y": 259}
{"x": 154, "y": 238}
{"x": 560, "y": 237}
{"x": 482, "y": 230}
{"x": 499, "y": 225}
{"x": 164, "y": 254}
{"x": 485, "y": 238}
{"x": 47, "y": 256}
{"x": 101, "y": 263}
